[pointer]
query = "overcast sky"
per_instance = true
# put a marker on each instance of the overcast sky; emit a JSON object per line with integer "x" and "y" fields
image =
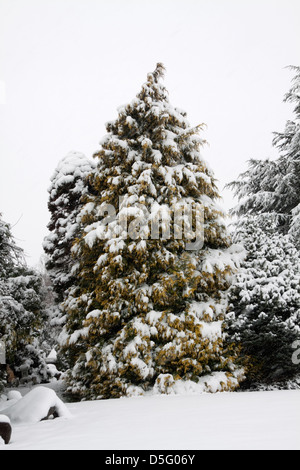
{"x": 66, "y": 65}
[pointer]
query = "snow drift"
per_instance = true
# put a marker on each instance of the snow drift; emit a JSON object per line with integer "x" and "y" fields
{"x": 35, "y": 406}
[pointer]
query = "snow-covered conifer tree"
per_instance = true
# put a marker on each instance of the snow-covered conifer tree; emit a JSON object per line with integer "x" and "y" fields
{"x": 266, "y": 297}
{"x": 147, "y": 312}
{"x": 273, "y": 186}
{"x": 68, "y": 187}
{"x": 21, "y": 310}
{"x": 265, "y": 302}
{"x": 10, "y": 254}
{"x": 288, "y": 143}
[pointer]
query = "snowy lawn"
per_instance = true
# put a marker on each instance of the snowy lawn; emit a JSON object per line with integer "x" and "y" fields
{"x": 246, "y": 420}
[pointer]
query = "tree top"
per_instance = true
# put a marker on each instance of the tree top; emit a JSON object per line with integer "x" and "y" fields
{"x": 159, "y": 72}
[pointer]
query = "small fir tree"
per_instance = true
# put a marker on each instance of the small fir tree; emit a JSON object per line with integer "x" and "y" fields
{"x": 147, "y": 312}
{"x": 10, "y": 254}
{"x": 21, "y": 310}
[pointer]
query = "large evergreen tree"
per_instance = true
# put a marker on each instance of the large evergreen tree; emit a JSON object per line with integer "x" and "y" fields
{"x": 265, "y": 295}
{"x": 147, "y": 312}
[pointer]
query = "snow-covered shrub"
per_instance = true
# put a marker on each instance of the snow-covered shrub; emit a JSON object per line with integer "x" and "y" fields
{"x": 35, "y": 406}
{"x": 265, "y": 302}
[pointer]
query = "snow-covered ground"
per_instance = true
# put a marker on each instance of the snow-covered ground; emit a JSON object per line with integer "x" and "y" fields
{"x": 245, "y": 420}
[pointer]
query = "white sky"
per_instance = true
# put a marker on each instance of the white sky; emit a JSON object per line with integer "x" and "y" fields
{"x": 66, "y": 65}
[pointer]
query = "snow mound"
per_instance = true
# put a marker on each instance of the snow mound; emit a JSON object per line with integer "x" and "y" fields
{"x": 14, "y": 395}
{"x": 35, "y": 406}
{"x": 4, "y": 419}
{"x": 10, "y": 399}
